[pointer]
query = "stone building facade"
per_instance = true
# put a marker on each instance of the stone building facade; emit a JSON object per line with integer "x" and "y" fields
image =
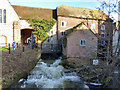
{"x": 96, "y": 20}
{"x": 9, "y": 29}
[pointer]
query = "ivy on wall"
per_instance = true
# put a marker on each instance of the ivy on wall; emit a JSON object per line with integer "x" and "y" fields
{"x": 42, "y": 27}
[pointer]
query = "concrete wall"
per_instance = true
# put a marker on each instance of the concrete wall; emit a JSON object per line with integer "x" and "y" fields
{"x": 11, "y": 16}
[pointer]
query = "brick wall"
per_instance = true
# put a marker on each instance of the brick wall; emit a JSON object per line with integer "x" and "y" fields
{"x": 74, "y": 49}
{"x": 72, "y": 21}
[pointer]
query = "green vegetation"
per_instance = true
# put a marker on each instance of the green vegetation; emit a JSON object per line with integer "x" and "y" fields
{"x": 5, "y": 49}
{"x": 42, "y": 27}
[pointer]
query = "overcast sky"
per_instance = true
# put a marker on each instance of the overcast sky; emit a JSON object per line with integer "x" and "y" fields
{"x": 93, "y": 4}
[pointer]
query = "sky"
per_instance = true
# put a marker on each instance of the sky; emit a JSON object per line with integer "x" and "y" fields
{"x": 52, "y": 4}
{"x": 55, "y": 3}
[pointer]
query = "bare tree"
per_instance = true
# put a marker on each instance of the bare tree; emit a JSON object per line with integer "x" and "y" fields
{"x": 111, "y": 7}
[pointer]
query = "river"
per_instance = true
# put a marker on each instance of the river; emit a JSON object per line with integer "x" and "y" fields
{"x": 51, "y": 75}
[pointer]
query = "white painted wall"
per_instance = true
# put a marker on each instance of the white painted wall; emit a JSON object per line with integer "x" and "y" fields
{"x": 52, "y": 32}
{"x": 11, "y": 16}
{"x": 24, "y": 24}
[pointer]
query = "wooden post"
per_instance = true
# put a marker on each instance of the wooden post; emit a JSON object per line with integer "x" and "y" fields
{"x": 17, "y": 45}
{"x": 9, "y": 48}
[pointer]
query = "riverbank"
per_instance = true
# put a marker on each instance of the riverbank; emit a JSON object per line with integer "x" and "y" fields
{"x": 100, "y": 74}
{"x": 17, "y": 65}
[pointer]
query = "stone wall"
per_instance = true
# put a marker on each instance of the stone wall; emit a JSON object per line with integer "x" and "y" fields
{"x": 11, "y": 16}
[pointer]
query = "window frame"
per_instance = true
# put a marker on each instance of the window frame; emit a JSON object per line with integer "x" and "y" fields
{"x": 63, "y": 33}
{"x": 82, "y": 41}
{"x": 92, "y": 26}
{"x": 63, "y": 25}
{"x": 102, "y": 34}
{"x": 4, "y": 16}
{"x": 103, "y": 27}
{"x": 1, "y": 16}
{"x": 103, "y": 44}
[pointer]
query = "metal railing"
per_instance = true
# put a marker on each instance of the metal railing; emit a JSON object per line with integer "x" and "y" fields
{"x": 51, "y": 48}
{"x": 8, "y": 47}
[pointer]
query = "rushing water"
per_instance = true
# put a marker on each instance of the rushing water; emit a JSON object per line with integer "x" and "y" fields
{"x": 51, "y": 76}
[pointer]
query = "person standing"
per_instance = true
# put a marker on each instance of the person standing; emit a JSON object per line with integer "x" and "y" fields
{"x": 13, "y": 45}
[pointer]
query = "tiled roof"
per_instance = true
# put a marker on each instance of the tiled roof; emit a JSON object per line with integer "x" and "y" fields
{"x": 81, "y": 12}
{"x": 33, "y": 12}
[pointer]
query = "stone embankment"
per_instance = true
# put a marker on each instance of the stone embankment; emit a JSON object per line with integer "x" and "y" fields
{"x": 17, "y": 65}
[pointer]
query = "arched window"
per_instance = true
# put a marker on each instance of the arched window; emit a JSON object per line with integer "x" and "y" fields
{"x": 3, "y": 41}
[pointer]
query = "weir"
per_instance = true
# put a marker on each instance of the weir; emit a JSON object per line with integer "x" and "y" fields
{"x": 46, "y": 75}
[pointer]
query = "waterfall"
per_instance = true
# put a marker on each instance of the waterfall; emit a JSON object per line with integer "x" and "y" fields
{"x": 52, "y": 76}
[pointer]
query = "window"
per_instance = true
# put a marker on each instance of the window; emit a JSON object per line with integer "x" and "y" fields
{"x": 4, "y": 16}
{"x": 102, "y": 35}
{"x": 82, "y": 42}
{"x": 63, "y": 33}
{"x": 63, "y": 24}
{"x": 103, "y": 27}
{"x": 92, "y": 26}
{"x": 0, "y": 15}
{"x": 103, "y": 43}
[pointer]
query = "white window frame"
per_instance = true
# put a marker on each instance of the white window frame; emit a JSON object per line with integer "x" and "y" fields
{"x": 84, "y": 43}
{"x": 4, "y": 16}
{"x": 102, "y": 34}
{"x": 63, "y": 33}
{"x": 92, "y": 26}
{"x": 65, "y": 23}
{"x": 103, "y": 27}
{"x": 103, "y": 44}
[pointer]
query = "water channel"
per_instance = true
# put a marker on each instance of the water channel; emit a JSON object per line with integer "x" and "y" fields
{"x": 51, "y": 75}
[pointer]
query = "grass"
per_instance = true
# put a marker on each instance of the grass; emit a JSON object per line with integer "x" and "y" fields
{"x": 5, "y": 49}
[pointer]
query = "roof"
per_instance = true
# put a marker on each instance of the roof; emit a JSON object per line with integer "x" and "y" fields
{"x": 81, "y": 12}
{"x": 26, "y": 13}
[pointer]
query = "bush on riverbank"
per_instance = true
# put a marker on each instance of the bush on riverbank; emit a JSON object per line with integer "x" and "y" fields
{"x": 90, "y": 73}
